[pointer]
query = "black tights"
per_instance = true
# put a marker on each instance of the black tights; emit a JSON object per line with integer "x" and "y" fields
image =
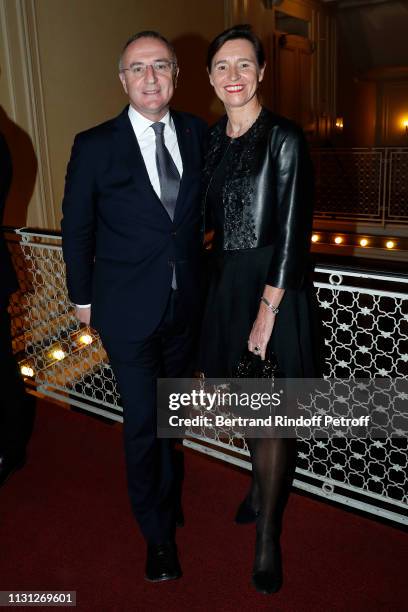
{"x": 273, "y": 467}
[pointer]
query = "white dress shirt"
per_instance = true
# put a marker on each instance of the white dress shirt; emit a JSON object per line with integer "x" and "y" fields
{"x": 147, "y": 142}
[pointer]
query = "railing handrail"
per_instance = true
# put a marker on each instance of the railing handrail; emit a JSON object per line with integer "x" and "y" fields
{"x": 364, "y": 272}
{"x": 335, "y": 149}
{"x": 32, "y": 231}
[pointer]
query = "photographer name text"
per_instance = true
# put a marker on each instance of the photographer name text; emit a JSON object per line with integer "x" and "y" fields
{"x": 269, "y": 421}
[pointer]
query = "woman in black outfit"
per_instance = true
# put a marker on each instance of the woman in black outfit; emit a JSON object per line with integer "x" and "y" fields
{"x": 258, "y": 200}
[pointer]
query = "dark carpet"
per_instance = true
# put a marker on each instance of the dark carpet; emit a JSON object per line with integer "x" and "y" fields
{"x": 65, "y": 524}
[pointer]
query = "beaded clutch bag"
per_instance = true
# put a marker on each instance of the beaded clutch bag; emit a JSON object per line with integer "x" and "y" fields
{"x": 252, "y": 366}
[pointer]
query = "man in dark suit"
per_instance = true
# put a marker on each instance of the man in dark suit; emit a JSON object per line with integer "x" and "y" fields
{"x": 131, "y": 243}
{"x": 14, "y": 410}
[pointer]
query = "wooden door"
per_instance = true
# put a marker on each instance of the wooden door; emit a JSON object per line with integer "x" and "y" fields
{"x": 293, "y": 78}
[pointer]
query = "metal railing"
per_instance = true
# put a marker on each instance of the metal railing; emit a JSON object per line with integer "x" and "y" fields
{"x": 365, "y": 323}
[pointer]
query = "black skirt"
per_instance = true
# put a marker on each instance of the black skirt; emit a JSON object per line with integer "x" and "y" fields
{"x": 236, "y": 284}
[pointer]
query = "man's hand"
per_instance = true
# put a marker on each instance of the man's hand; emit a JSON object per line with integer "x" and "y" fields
{"x": 83, "y": 314}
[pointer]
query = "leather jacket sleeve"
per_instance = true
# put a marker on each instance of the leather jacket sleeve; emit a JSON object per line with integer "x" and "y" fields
{"x": 294, "y": 212}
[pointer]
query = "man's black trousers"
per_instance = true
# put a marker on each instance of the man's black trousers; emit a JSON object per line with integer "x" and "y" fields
{"x": 153, "y": 467}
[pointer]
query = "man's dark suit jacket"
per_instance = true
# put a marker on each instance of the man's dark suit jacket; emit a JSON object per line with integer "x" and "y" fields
{"x": 8, "y": 279}
{"x": 119, "y": 243}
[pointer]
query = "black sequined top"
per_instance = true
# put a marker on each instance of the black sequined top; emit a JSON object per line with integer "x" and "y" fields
{"x": 223, "y": 218}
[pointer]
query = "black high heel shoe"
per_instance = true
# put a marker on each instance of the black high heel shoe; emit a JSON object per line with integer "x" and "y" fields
{"x": 246, "y": 513}
{"x": 267, "y": 575}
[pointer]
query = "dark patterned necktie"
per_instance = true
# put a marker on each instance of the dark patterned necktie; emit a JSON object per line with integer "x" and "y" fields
{"x": 169, "y": 176}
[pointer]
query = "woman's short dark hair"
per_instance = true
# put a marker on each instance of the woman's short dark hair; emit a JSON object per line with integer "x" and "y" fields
{"x": 237, "y": 31}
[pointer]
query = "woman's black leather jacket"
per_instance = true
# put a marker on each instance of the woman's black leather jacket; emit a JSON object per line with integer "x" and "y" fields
{"x": 267, "y": 193}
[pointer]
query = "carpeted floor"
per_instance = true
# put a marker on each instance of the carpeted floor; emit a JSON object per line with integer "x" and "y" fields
{"x": 65, "y": 524}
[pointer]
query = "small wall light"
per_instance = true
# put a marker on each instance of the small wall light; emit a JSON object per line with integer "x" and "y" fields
{"x": 27, "y": 371}
{"x": 86, "y": 339}
{"x": 390, "y": 244}
{"x": 315, "y": 238}
{"x": 339, "y": 123}
{"x": 363, "y": 242}
{"x": 338, "y": 240}
{"x": 58, "y": 354}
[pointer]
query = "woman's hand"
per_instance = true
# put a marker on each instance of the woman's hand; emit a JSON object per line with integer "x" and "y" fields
{"x": 262, "y": 328}
{"x": 261, "y": 331}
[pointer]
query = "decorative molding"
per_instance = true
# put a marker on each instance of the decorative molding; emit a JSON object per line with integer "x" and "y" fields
{"x": 23, "y": 84}
{"x": 228, "y": 12}
{"x": 35, "y": 108}
{"x": 235, "y": 11}
{"x": 7, "y": 72}
{"x": 334, "y": 56}
{"x": 315, "y": 73}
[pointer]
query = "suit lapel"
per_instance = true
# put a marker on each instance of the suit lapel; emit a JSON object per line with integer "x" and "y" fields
{"x": 184, "y": 143}
{"x": 129, "y": 152}
{"x": 125, "y": 143}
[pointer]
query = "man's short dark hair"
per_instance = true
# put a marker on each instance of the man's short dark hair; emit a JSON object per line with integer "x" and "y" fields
{"x": 237, "y": 31}
{"x": 148, "y": 34}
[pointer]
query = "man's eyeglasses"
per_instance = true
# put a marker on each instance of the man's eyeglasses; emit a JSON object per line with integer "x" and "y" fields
{"x": 159, "y": 67}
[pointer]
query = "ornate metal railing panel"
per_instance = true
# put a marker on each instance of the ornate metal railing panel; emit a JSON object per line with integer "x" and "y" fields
{"x": 362, "y": 184}
{"x": 397, "y": 188}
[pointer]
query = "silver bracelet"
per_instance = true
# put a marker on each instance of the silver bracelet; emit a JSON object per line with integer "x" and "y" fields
{"x": 271, "y": 307}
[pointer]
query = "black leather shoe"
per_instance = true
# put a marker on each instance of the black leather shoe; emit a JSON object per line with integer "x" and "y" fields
{"x": 245, "y": 513}
{"x": 8, "y": 467}
{"x": 267, "y": 575}
{"x": 266, "y": 582}
{"x": 162, "y": 562}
